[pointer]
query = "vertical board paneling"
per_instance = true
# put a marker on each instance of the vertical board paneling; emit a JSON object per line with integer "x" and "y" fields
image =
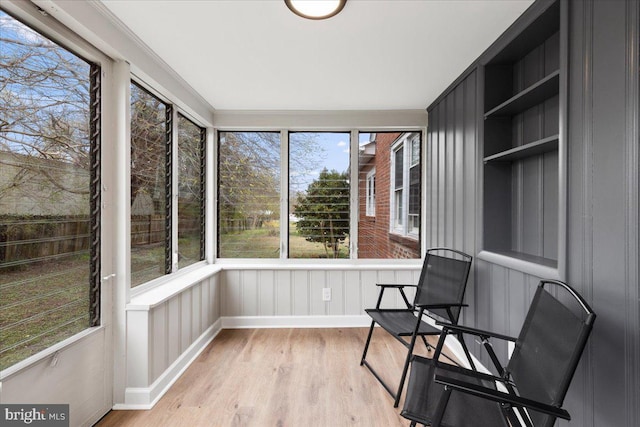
{"x": 249, "y": 285}
{"x": 204, "y": 306}
{"x": 196, "y": 302}
{"x": 317, "y": 281}
{"x": 283, "y": 293}
{"x": 300, "y": 292}
{"x": 457, "y": 240}
{"x": 448, "y": 146}
{"x": 266, "y": 293}
{"x": 608, "y": 196}
{"x": 516, "y": 301}
{"x": 441, "y": 176}
{"x": 232, "y": 293}
{"x": 368, "y": 280}
{"x": 158, "y": 333}
{"x": 215, "y": 294}
{"x": 139, "y": 335}
{"x": 185, "y": 320}
{"x": 335, "y": 281}
{"x": 353, "y": 293}
{"x": 390, "y": 298}
{"x": 452, "y": 136}
{"x": 174, "y": 333}
{"x": 432, "y": 172}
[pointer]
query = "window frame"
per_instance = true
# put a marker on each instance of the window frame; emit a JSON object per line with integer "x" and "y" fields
{"x": 404, "y": 227}
{"x": 98, "y": 63}
{"x": 202, "y": 146}
{"x": 370, "y": 189}
{"x": 227, "y": 123}
{"x": 170, "y": 258}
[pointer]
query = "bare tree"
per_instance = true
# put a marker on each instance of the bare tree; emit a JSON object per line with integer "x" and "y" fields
{"x": 44, "y": 108}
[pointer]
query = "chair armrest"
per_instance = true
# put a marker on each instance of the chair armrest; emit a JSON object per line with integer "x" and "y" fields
{"x": 444, "y": 305}
{"x": 501, "y": 397}
{"x": 474, "y": 331}
{"x": 470, "y": 373}
{"x": 395, "y": 285}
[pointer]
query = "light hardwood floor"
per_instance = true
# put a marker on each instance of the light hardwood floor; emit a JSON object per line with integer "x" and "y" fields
{"x": 281, "y": 377}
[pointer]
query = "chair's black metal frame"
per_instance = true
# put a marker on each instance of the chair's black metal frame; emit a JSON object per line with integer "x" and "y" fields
{"x": 514, "y": 407}
{"x": 408, "y": 322}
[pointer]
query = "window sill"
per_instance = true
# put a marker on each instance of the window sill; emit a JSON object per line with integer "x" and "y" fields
{"x": 407, "y": 241}
{"x": 529, "y": 267}
{"x": 173, "y": 285}
{"x": 319, "y": 264}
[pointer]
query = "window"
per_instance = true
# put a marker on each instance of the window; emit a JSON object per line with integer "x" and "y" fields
{"x": 319, "y": 195}
{"x": 406, "y": 185}
{"x": 398, "y": 188}
{"x": 318, "y": 205}
{"x": 150, "y": 186}
{"x": 371, "y": 193}
{"x": 390, "y": 197}
{"x": 49, "y": 193}
{"x": 191, "y": 192}
{"x": 249, "y": 195}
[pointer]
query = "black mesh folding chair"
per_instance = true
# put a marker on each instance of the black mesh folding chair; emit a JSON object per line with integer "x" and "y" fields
{"x": 529, "y": 391}
{"x": 439, "y": 294}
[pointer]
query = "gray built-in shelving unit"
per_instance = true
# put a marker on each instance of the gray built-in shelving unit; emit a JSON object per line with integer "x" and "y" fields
{"x": 522, "y": 138}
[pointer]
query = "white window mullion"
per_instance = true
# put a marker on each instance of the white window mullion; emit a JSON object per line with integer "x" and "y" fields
{"x": 406, "y": 187}
{"x": 211, "y": 198}
{"x": 284, "y": 194}
{"x": 174, "y": 189}
{"x": 354, "y": 199}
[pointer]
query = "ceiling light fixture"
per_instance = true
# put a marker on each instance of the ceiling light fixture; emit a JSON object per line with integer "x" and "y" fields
{"x": 315, "y": 9}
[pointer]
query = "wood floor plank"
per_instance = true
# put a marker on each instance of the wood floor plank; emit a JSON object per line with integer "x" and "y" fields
{"x": 281, "y": 377}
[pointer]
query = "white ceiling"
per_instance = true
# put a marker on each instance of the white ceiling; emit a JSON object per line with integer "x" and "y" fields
{"x": 374, "y": 55}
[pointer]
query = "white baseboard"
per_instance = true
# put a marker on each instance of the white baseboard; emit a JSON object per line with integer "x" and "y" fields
{"x": 242, "y": 322}
{"x": 146, "y": 397}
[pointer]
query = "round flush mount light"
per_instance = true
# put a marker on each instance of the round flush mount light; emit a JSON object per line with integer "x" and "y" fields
{"x": 315, "y": 9}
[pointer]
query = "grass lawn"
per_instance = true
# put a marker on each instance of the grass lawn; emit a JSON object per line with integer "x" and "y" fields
{"x": 39, "y": 310}
{"x": 265, "y": 243}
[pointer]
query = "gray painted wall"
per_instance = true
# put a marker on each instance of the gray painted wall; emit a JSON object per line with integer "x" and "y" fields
{"x": 602, "y": 237}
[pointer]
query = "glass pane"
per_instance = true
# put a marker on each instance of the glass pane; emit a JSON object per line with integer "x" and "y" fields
{"x": 393, "y": 231}
{"x": 398, "y": 168}
{"x": 148, "y": 186}
{"x": 249, "y": 195}
{"x": 45, "y": 236}
{"x": 319, "y": 195}
{"x": 190, "y": 194}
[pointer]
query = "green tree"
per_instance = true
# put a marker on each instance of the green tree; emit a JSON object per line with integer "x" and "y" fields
{"x": 323, "y": 211}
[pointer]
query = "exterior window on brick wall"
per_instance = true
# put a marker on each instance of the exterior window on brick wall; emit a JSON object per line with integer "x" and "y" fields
{"x": 371, "y": 193}
{"x": 390, "y": 196}
{"x": 406, "y": 185}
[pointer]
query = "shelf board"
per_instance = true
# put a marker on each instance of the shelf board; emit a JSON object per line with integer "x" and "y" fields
{"x": 533, "y": 148}
{"x": 534, "y": 94}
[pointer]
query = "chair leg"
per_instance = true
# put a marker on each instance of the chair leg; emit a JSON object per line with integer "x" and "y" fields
{"x": 405, "y": 370}
{"x": 366, "y": 346}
